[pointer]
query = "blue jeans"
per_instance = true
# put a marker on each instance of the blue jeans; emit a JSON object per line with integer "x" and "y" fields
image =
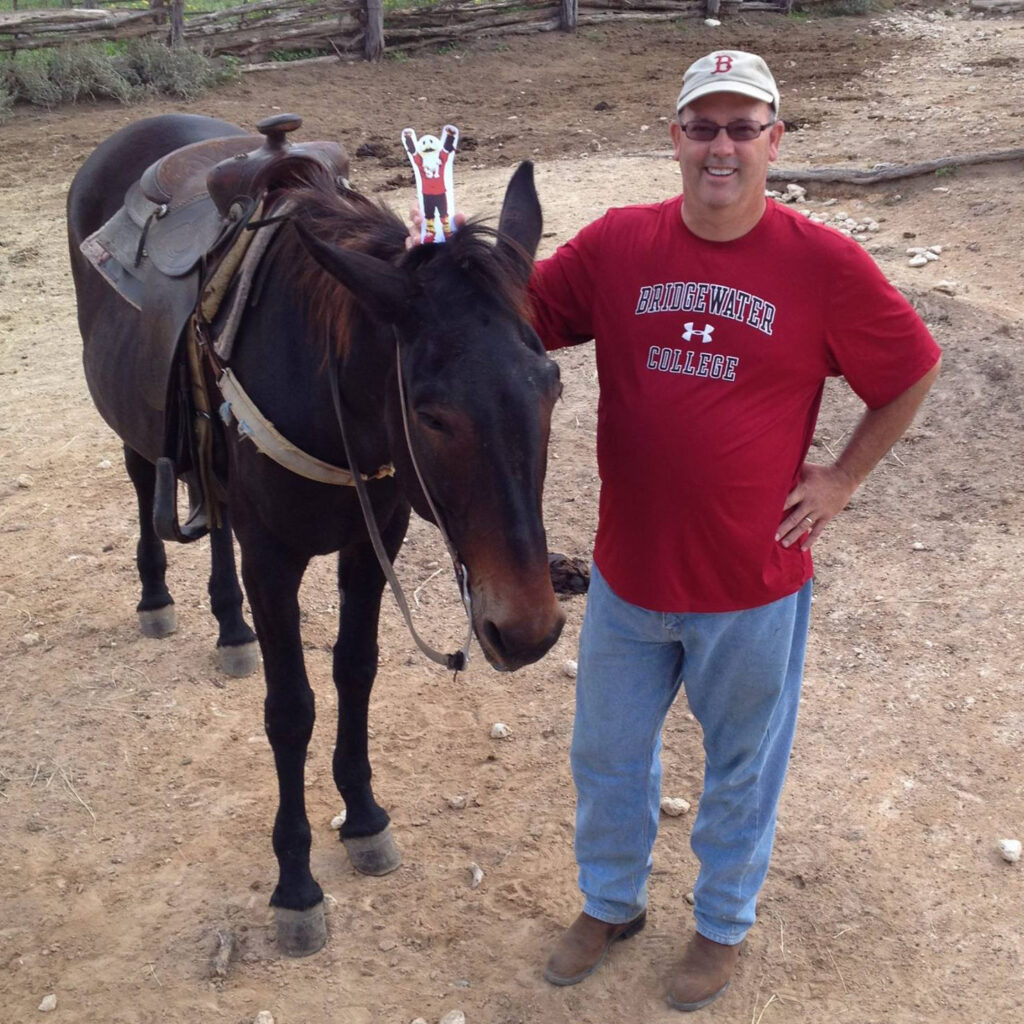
{"x": 742, "y": 673}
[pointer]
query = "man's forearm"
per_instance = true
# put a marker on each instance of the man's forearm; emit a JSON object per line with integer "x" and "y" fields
{"x": 879, "y": 429}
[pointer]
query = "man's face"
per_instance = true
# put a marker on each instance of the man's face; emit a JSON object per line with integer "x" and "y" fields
{"x": 723, "y": 179}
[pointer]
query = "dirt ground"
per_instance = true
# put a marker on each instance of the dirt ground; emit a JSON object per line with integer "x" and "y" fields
{"x": 137, "y": 788}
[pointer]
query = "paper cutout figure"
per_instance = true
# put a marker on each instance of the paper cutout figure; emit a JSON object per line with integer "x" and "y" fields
{"x": 432, "y": 162}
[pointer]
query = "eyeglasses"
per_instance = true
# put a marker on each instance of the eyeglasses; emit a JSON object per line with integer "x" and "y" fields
{"x": 738, "y": 131}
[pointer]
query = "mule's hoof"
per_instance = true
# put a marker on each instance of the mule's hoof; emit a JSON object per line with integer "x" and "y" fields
{"x": 240, "y": 660}
{"x": 301, "y": 932}
{"x": 158, "y": 622}
{"x": 373, "y": 855}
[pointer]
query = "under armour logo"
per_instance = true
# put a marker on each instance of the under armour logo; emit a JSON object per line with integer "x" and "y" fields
{"x": 705, "y": 336}
{"x": 723, "y": 64}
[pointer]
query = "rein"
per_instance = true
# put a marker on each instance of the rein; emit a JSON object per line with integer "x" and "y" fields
{"x": 455, "y": 662}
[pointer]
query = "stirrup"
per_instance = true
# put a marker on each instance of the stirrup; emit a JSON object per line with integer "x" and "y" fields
{"x": 165, "y": 507}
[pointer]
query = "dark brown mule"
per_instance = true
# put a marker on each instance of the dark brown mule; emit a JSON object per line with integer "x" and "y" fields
{"x": 478, "y": 390}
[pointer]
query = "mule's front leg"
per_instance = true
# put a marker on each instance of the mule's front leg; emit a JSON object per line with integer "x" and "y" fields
{"x": 366, "y": 832}
{"x": 157, "y": 615}
{"x": 272, "y": 575}
{"x": 236, "y": 643}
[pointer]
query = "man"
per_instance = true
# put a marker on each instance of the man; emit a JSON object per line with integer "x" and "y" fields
{"x": 716, "y": 317}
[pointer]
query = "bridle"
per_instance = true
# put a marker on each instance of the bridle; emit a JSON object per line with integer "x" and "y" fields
{"x": 455, "y": 662}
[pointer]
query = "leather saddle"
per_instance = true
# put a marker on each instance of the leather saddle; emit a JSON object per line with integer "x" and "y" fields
{"x": 179, "y": 223}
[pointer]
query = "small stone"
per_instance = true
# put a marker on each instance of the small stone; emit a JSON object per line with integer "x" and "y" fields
{"x": 418, "y": 1020}
{"x": 25, "y": 481}
{"x": 946, "y": 287}
{"x": 690, "y": 898}
{"x": 570, "y": 668}
{"x": 338, "y": 820}
{"x": 30, "y": 640}
{"x": 673, "y": 806}
{"x": 386, "y": 945}
{"x": 712, "y": 22}
{"x": 1009, "y": 850}
{"x": 104, "y": 464}
{"x": 49, "y": 1003}
{"x": 456, "y": 803}
{"x": 453, "y": 1017}
{"x": 918, "y": 546}
{"x": 476, "y": 875}
{"x": 919, "y": 260}
{"x": 937, "y": 249}
{"x": 500, "y": 731}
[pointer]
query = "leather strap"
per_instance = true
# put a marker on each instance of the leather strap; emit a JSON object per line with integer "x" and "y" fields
{"x": 454, "y": 662}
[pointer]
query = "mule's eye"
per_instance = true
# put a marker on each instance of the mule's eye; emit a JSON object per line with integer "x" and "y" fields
{"x": 431, "y": 422}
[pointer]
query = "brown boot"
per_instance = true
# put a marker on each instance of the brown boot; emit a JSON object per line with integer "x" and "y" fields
{"x": 583, "y": 945}
{"x": 703, "y": 975}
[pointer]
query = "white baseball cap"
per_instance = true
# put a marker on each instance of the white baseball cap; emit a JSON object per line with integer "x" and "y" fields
{"x": 729, "y": 71}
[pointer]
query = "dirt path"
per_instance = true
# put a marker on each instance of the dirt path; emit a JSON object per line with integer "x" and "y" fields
{"x": 136, "y": 786}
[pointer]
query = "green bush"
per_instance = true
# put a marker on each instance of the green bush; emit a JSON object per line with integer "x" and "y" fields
{"x": 6, "y": 102}
{"x": 154, "y": 69}
{"x": 86, "y": 72}
{"x": 124, "y": 72}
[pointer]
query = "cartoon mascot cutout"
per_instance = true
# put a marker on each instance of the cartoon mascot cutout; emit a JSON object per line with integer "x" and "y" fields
{"x": 432, "y": 162}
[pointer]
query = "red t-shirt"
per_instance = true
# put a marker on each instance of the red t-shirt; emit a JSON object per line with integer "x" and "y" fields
{"x": 712, "y": 358}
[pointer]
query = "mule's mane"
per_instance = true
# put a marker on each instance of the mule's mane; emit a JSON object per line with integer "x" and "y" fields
{"x": 352, "y": 221}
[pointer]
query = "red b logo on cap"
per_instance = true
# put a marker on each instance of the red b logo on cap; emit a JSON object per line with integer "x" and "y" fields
{"x": 723, "y": 64}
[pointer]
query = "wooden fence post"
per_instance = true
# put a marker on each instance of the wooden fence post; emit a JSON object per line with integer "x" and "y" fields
{"x": 569, "y": 15}
{"x": 373, "y": 43}
{"x": 177, "y": 36}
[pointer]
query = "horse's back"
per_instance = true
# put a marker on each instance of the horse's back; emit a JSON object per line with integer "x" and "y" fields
{"x": 98, "y": 188}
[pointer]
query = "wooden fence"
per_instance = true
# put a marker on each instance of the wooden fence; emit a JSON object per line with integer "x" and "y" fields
{"x": 347, "y": 29}
{"x": 359, "y": 29}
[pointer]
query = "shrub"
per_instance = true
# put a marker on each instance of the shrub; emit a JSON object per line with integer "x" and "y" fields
{"x": 6, "y": 101}
{"x": 123, "y": 72}
{"x": 155, "y": 69}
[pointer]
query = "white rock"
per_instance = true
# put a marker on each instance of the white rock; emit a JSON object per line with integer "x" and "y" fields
{"x": 796, "y": 192}
{"x": 338, "y": 820}
{"x": 500, "y": 731}
{"x": 1009, "y": 850}
{"x": 104, "y": 464}
{"x": 456, "y": 802}
{"x": 453, "y": 1017}
{"x": 30, "y": 640}
{"x": 946, "y": 287}
{"x": 569, "y": 668}
{"x": 49, "y": 1003}
{"x": 712, "y": 22}
{"x": 263, "y": 1017}
{"x": 937, "y": 249}
{"x": 918, "y": 546}
{"x": 418, "y": 1020}
{"x": 673, "y": 806}
{"x": 689, "y": 897}
{"x": 930, "y": 255}
{"x": 919, "y": 260}
{"x": 25, "y": 481}
{"x": 476, "y": 875}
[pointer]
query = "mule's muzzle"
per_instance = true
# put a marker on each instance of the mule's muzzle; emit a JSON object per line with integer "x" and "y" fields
{"x": 509, "y": 643}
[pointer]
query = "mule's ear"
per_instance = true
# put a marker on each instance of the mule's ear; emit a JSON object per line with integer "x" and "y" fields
{"x": 383, "y": 290}
{"x": 521, "y": 218}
